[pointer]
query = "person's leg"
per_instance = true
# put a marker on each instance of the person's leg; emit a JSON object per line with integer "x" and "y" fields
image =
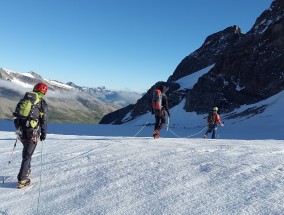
{"x": 158, "y": 120}
{"x": 162, "y": 119}
{"x": 156, "y": 132}
{"x": 163, "y": 122}
{"x": 208, "y": 131}
{"x": 28, "y": 151}
{"x": 213, "y": 133}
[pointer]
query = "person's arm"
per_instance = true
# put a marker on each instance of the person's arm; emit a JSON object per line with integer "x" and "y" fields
{"x": 217, "y": 119}
{"x": 43, "y": 120}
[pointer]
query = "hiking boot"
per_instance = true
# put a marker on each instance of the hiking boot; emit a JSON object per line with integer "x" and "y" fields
{"x": 156, "y": 134}
{"x": 23, "y": 183}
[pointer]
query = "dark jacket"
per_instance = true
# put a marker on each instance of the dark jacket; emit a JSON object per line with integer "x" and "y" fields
{"x": 43, "y": 118}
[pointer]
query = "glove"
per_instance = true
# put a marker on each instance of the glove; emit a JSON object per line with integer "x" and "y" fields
{"x": 169, "y": 114}
{"x": 222, "y": 124}
{"x": 42, "y": 136}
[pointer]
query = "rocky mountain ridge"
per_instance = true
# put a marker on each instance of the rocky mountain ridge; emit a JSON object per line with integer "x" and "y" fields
{"x": 251, "y": 71}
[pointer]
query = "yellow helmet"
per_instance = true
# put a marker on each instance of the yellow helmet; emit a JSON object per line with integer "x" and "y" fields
{"x": 215, "y": 109}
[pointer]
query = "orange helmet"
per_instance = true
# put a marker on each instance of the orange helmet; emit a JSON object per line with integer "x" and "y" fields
{"x": 41, "y": 87}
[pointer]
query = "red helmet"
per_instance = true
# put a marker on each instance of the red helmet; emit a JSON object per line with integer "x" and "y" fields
{"x": 41, "y": 87}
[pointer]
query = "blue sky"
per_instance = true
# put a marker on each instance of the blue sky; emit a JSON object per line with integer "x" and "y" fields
{"x": 120, "y": 44}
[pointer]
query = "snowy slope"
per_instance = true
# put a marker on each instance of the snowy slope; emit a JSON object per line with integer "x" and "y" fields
{"x": 189, "y": 81}
{"x": 125, "y": 175}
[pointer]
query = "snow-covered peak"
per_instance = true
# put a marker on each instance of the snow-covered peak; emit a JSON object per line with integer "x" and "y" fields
{"x": 21, "y": 83}
{"x": 59, "y": 84}
{"x": 7, "y": 70}
{"x": 28, "y": 74}
{"x": 29, "y": 79}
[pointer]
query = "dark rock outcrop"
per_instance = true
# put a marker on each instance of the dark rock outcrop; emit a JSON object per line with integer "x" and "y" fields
{"x": 251, "y": 71}
{"x": 214, "y": 46}
{"x": 117, "y": 116}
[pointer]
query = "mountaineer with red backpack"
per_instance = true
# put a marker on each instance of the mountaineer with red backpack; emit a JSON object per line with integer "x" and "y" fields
{"x": 159, "y": 108}
{"x": 212, "y": 120}
{"x": 30, "y": 119}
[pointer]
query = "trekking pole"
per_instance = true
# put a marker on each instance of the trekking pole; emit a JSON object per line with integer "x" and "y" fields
{"x": 13, "y": 151}
{"x": 40, "y": 180}
{"x": 168, "y": 125}
{"x": 11, "y": 156}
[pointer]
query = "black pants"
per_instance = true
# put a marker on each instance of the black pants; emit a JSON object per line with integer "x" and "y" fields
{"x": 160, "y": 117}
{"x": 28, "y": 150}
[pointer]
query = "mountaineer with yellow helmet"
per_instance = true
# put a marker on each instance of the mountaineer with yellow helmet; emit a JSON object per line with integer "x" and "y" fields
{"x": 212, "y": 120}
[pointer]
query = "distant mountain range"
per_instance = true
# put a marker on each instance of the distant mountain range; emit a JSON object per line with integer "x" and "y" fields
{"x": 229, "y": 70}
{"x": 67, "y": 102}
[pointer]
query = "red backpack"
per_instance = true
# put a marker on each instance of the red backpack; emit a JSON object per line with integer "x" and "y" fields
{"x": 157, "y": 100}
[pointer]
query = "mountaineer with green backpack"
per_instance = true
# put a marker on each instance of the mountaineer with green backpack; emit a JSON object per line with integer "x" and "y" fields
{"x": 30, "y": 119}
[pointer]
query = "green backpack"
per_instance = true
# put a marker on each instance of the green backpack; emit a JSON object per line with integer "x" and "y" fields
{"x": 25, "y": 108}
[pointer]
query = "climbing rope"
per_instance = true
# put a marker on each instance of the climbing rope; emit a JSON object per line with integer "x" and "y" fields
{"x": 189, "y": 135}
{"x": 143, "y": 126}
{"x": 197, "y": 133}
{"x": 174, "y": 133}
